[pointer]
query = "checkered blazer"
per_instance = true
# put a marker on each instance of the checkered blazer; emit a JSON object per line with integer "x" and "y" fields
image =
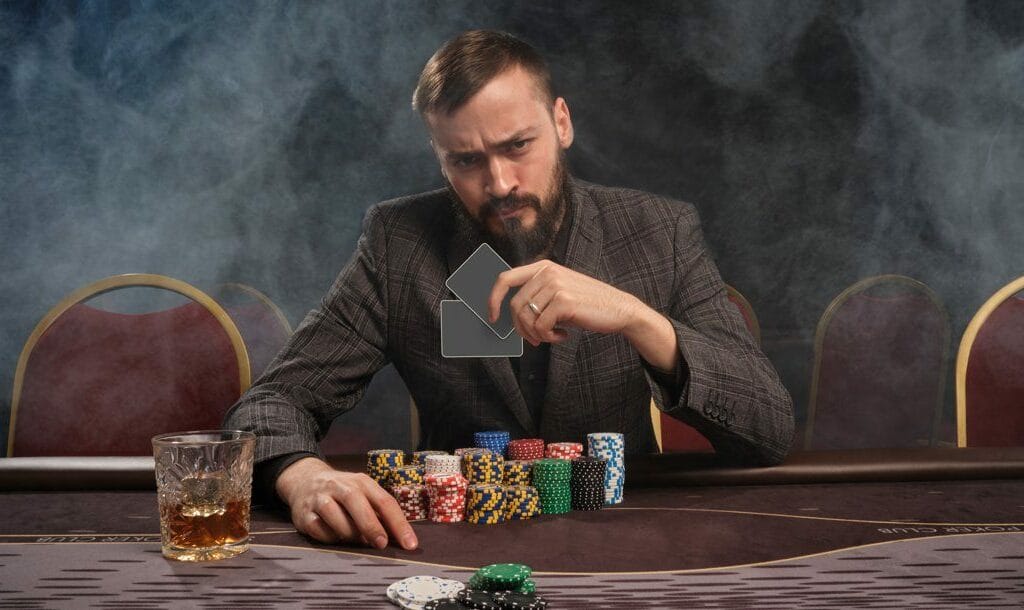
{"x": 384, "y": 307}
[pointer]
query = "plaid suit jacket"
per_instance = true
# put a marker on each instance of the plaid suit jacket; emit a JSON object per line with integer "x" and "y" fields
{"x": 384, "y": 307}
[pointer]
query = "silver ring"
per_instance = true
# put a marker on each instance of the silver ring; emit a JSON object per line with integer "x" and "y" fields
{"x": 533, "y": 307}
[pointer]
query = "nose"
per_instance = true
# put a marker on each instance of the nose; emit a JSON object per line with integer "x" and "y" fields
{"x": 500, "y": 178}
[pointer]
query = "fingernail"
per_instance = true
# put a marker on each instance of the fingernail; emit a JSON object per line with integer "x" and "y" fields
{"x": 409, "y": 542}
{"x": 380, "y": 541}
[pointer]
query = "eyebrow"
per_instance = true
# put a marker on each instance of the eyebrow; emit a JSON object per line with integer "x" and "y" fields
{"x": 519, "y": 135}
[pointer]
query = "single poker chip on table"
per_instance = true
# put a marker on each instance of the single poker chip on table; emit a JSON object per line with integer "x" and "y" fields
{"x": 414, "y": 592}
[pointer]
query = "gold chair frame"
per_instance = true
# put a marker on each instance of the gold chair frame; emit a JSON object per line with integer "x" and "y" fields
{"x": 262, "y": 298}
{"x": 826, "y": 320}
{"x": 964, "y": 353}
{"x": 112, "y": 283}
{"x": 655, "y": 412}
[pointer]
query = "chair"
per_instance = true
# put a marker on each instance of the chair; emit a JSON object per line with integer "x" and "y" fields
{"x": 262, "y": 324}
{"x": 94, "y": 382}
{"x": 990, "y": 373}
{"x": 675, "y": 436}
{"x": 881, "y": 353}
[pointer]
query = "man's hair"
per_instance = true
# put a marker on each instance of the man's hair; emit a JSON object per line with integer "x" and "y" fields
{"x": 464, "y": 64}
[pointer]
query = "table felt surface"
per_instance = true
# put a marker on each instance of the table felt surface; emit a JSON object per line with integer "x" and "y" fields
{"x": 924, "y": 544}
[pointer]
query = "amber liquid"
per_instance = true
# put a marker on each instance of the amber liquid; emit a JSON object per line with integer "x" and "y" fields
{"x": 204, "y": 526}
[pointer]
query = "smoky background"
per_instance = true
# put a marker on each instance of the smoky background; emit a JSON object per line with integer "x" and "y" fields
{"x": 822, "y": 142}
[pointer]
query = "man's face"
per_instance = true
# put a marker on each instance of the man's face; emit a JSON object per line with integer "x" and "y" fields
{"x": 502, "y": 154}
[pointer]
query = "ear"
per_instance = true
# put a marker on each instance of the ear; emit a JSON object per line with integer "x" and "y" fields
{"x": 563, "y": 123}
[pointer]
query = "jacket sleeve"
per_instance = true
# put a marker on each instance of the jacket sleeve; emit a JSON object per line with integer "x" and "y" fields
{"x": 728, "y": 390}
{"x": 324, "y": 368}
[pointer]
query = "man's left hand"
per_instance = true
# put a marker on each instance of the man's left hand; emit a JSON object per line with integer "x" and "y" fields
{"x": 551, "y": 295}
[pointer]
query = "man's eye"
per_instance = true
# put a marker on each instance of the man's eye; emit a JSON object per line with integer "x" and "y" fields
{"x": 464, "y": 162}
{"x": 520, "y": 144}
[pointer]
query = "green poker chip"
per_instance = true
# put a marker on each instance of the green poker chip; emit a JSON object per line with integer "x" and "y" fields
{"x": 501, "y": 577}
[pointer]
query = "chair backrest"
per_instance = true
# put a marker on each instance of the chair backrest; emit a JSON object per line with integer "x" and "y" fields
{"x": 263, "y": 325}
{"x": 675, "y": 436}
{"x": 881, "y": 353}
{"x": 95, "y": 382}
{"x": 990, "y": 373}
{"x": 746, "y": 310}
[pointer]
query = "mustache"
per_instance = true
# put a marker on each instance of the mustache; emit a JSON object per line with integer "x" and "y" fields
{"x": 495, "y": 205}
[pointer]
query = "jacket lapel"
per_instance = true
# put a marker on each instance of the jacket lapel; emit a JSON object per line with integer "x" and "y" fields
{"x": 583, "y": 255}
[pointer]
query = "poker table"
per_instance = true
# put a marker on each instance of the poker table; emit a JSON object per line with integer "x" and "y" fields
{"x": 911, "y": 528}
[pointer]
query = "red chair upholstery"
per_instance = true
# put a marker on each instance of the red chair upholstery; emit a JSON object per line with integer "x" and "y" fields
{"x": 674, "y": 436}
{"x": 263, "y": 325}
{"x": 94, "y": 382}
{"x": 990, "y": 373}
{"x": 880, "y": 361}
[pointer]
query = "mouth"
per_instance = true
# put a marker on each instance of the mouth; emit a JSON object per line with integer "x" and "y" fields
{"x": 510, "y": 212}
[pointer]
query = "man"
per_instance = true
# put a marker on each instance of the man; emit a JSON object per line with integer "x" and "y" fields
{"x": 616, "y": 297}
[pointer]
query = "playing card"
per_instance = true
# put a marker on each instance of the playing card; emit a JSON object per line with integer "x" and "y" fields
{"x": 463, "y": 335}
{"x": 472, "y": 283}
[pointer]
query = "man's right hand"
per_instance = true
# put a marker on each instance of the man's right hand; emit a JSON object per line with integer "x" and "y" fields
{"x": 333, "y": 506}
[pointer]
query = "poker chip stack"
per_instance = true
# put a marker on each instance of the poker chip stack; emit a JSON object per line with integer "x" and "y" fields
{"x": 611, "y": 447}
{"x": 521, "y": 502}
{"x": 405, "y": 475}
{"x": 414, "y": 501}
{"x": 481, "y": 599}
{"x": 517, "y": 472}
{"x": 483, "y": 467}
{"x": 447, "y": 495}
{"x": 418, "y": 457}
{"x": 526, "y": 449}
{"x": 462, "y": 451}
{"x": 495, "y": 440}
{"x": 418, "y": 591}
{"x": 565, "y": 451}
{"x": 553, "y": 479}
{"x": 442, "y": 464}
{"x": 511, "y": 577}
{"x": 485, "y": 503}
{"x": 380, "y": 463}
{"x": 588, "y": 483}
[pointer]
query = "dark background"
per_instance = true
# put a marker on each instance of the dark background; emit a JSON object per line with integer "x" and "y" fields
{"x": 822, "y": 142}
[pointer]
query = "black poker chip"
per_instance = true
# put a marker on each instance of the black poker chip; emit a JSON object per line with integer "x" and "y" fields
{"x": 523, "y": 601}
{"x": 478, "y": 600}
{"x": 445, "y": 604}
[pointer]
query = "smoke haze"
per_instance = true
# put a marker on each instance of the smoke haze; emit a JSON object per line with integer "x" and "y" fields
{"x": 242, "y": 141}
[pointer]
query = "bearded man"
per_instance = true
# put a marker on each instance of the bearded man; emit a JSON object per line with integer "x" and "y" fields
{"x": 616, "y": 297}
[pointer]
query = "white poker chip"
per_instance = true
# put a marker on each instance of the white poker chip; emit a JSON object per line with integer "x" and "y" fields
{"x": 414, "y": 592}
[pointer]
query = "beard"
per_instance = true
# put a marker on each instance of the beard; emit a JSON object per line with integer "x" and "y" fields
{"x": 517, "y": 245}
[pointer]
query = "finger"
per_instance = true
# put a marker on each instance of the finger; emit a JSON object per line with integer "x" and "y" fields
{"x": 526, "y": 292}
{"x": 363, "y": 516}
{"x": 331, "y": 522}
{"x": 517, "y": 276}
{"x": 559, "y": 309}
{"x": 393, "y": 517}
{"x": 543, "y": 299}
{"x": 523, "y": 321}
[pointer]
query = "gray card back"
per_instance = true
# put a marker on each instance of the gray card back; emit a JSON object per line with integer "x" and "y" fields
{"x": 463, "y": 335}
{"x": 472, "y": 283}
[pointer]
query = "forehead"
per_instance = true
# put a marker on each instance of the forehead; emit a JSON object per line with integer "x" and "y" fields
{"x": 505, "y": 106}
